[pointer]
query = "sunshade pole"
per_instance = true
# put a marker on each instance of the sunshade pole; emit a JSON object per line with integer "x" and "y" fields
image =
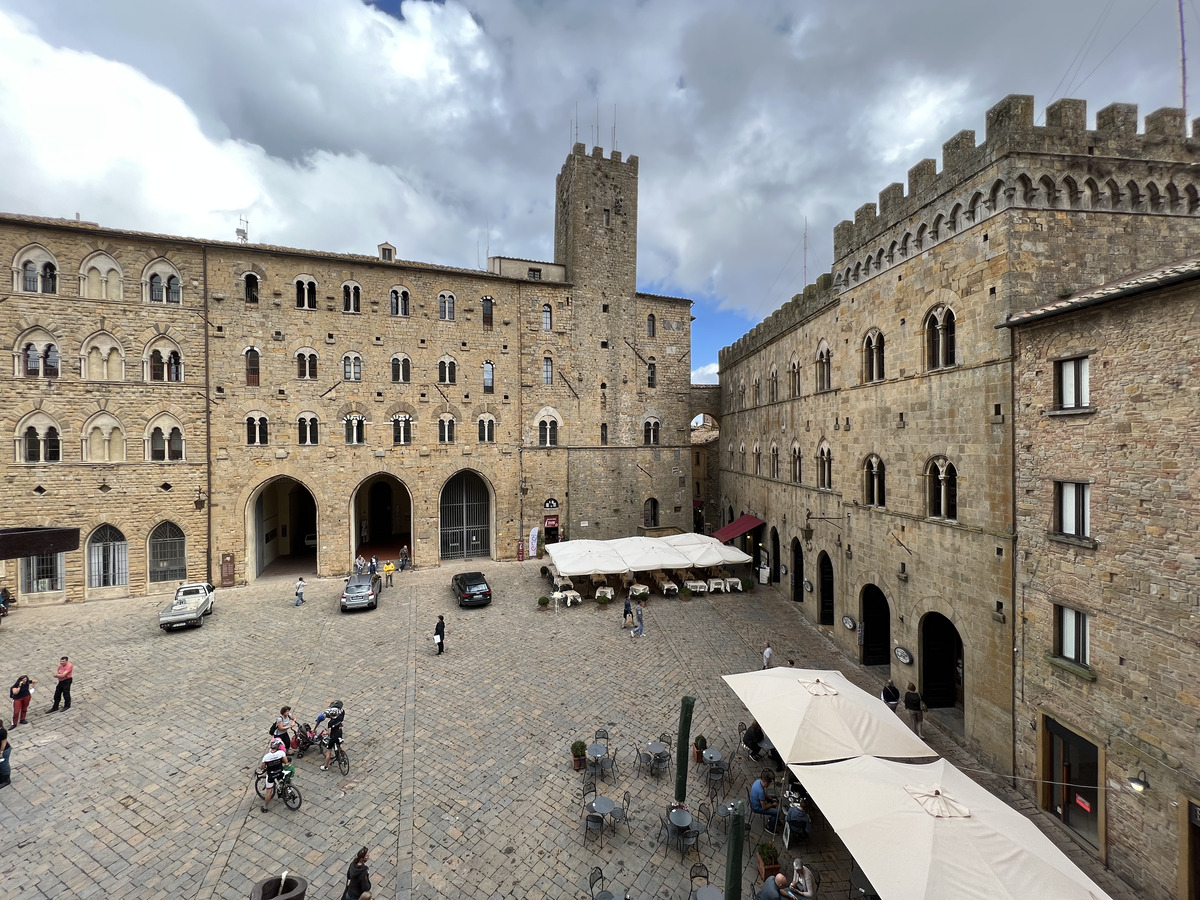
{"x": 733, "y": 851}
{"x": 681, "y": 754}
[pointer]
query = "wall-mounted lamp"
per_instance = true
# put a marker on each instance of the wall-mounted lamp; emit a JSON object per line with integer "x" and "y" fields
{"x": 201, "y": 498}
{"x": 806, "y": 532}
{"x": 1139, "y": 782}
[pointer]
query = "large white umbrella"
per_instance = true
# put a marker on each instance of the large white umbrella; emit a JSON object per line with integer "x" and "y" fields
{"x": 816, "y": 715}
{"x": 704, "y": 550}
{"x": 586, "y": 558}
{"x": 928, "y": 832}
{"x": 642, "y": 554}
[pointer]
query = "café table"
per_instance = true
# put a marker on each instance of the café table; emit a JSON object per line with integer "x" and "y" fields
{"x": 711, "y": 756}
{"x": 724, "y": 810}
{"x": 733, "y": 584}
{"x": 635, "y": 589}
{"x": 603, "y": 805}
{"x": 656, "y": 747}
{"x": 716, "y": 584}
{"x": 572, "y": 597}
{"x": 597, "y": 750}
{"x": 604, "y": 592}
{"x": 709, "y": 892}
{"x": 696, "y": 587}
{"x": 680, "y": 818}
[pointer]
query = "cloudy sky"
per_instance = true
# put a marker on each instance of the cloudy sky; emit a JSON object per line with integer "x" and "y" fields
{"x": 337, "y": 124}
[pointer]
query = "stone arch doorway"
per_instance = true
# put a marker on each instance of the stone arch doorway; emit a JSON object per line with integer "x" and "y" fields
{"x": 774, "y": 556}
{"x": 942, "y": 663}
{"x": 825, "y": 565}
{"x": 876, "y": 624}
{"x": 466, "y": 517}
{"x": 281, "y": 529}
{"x": 381, "y": 517}
{"x": 797, "y": 571}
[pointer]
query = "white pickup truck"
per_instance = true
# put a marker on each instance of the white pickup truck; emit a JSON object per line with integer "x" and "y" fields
{"x": 191, "y": 604}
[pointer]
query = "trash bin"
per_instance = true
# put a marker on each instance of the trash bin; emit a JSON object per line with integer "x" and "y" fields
{"x": 289, "y": 887}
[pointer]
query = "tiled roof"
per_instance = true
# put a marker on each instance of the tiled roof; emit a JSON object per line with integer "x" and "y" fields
{"x": 1163, "y": 276}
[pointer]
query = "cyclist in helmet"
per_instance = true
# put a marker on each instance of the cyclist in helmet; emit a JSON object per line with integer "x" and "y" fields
{"x": 273, "y": 763}
{"x": 335, "y": 715}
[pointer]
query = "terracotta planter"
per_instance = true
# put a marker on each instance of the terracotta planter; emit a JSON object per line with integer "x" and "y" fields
{"x": 696, "y": 754}
{"x": 577, "y": 763}
{"x": 765, "y": 871}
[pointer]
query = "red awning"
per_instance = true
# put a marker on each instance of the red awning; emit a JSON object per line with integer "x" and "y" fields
{"x": 737, "y": 528}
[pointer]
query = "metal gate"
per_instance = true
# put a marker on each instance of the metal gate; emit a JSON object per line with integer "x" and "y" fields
{"x": 466, "y": 513}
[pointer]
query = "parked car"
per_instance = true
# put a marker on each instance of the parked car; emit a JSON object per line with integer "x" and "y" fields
{"x": 362, "y": 590}
{"x": 191, "y": 604}
{"x": 471, "y": 589}
{"x": 310, "y": 541}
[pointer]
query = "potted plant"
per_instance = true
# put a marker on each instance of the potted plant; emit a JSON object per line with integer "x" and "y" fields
{"x": 685, "y": 593}
{"x": 545, "y": 571}
{"x": 603, "y": 601}
{"x": 699, "y": 745}
{"x": 767, "y": 858}
{"x": 543, "y": 602}
{"x": 747, "y": 584}
{"x": 578, "y": 752}
{"x": 643, "y": 594}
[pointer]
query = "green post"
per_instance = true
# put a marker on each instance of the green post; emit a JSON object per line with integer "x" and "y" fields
{"x": 733, "y": 851}
{"x": 682, "y": 756}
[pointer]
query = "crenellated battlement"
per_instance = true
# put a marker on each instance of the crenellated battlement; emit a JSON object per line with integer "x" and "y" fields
{"x": 800, "y": 308}
{"x": 580, "y": 149}
{"x": 1011, "y": 131}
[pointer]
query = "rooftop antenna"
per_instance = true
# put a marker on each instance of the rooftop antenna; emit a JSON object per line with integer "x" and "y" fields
{"x": 488, "y": 227}
{"x": 614, "y": 130}
{"x": 1182, "y": 68}
{"x": 597, "y": 120}
{"x": 805, "y": 281}
{"x": 243, "y": 230}
{"x": 576, "y": 121}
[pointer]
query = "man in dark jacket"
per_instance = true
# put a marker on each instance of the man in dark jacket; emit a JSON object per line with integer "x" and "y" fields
{"x": 439, "y": 634}
{"x": 358, "y": 879}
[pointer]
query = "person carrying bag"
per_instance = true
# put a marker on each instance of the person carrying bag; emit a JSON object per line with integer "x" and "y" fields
{"x": 358, "y": 879}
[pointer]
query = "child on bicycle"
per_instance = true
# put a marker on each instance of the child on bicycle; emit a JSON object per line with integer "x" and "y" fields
{"x": 273, "y": 763}
{"x": 336, "y": 715}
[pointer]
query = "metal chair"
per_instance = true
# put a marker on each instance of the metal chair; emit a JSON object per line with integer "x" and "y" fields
{"x": 689, "y": 838}
{"x": 661, "y": 764}
{"x": 751, "y": 812}
{"x": 702, "y": 821}
{"x": 609, "y": 764}
{"x": 698, "y": 870}
{"x": 666, "y": 738}
{"x": 601, "y": 735}
{"x": 716, "y": 780}
{"x": 668, "y": 831}
{"x": 587, "y": 794}
{"x": 594, "y": 822}
{"x": 645, "y": 759}
{"x": 597, "y": 878}
{"x": 724, "y": 812}
{"x": 620, "y": 815}
{"x": 592, "y": 767}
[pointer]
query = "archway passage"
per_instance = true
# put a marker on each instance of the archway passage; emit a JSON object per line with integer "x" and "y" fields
{"x": 466, "y": 518}
{"x": 774, "y": 556}
{"x": 283, "y": 529}
{"x": 877, "y": 627}
{"x": 382, "y": 517}
{"x": 797, "y": 571}
{"x": 941, "y": 662}
{"x": 826, "y": 567}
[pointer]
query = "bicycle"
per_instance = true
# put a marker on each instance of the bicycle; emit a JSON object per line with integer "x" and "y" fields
{"x": 339, "y": 756}
{"x": 285, "y": 790}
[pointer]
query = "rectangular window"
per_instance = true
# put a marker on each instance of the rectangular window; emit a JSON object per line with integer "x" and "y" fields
{"x": 535, "y": 274}
{"x": 1071, "y": 384}
{"x": 547, "y": 371}
{"x": 1071, "y": 635}
{"x": 1072, "y": 783}
{"x": 1072, "y": 503}
{"x": 42, "y": 574}
{"x": 607, "y": 219}
{"x": 604, "y": 434}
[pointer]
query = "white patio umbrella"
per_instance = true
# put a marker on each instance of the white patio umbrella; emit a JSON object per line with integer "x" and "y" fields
{"x": 815, "y": 715}
{"x": 643, "y": 554}
{"x": 704, "y": 550}
{"x": 573, "y": 558}
{"x": 928, "y": 832}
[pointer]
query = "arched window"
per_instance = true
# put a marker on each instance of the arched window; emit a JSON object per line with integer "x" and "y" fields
{"x": 174, "y": 289}
{"x": 158, "y": 445}
{"x": 108, "y": 558}
{"x": 251, "y": 283}
{"x": 487, "y": 430}
{"x": 306, "y": 293}
{"x": 757, "y": 391}
{"x": 795, "y": 464}
{"x": 256, "y": 430}
{"x": 824, "y": 367}
{"x": 742, "y": 452}
{"x": 168, "y": 557}
{"x": 156, "y": 289}
{"x": 489, "y": 377}
{"x": 547, "y": 317}
{"x": 547, "y": 370}
{"x": 351, "y": 298}
{"x": 446, "y": 429}
{"x": 773, "y": 386}
{"x": 651, "y": 373}
{"x": 252, "y": 367}
{"x": 447, "y": 372}
{"x": 874, "y": 488}
{"x": 650, "y": 431}
{"x": 402, "y": 429}
{"x": 356, "y": 428}
{"x": 399, "y": 298}
{"x": 174, "y": 366}
{"x": 939, "y": 338}
{"x": 40, "y": 362}
{"x": 307, "y": 430}
{"x": 166, "y": 444}
{"x": 650, "y": 513}
{"x": 548, "y": 433}
{"x": 104, "y": 440}
{"x": 603, "y": 434}
{"x": 33, "y": 445}
{"x": 757, "y": 460}
{"x": 873, "y": 356}
{"x": 825, "y": 467}
{"x": 306, "y": 365}
{"x": 352, "y": 367}
{"x": 29, "y": 278}
{"x": 401, "y": 369}
{"x": 49, "y": 279}
{"x": 446, "y": 306}
{"x": 651, "y": 325}
{"x": 941, "y": 489}
{"x": 488, "y": 306}
{"x": 774, "y": 462}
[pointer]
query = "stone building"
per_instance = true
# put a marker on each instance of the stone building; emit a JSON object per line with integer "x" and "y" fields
{"x": 201, "y": 409}
{"x": 869, "y": 421}
{"x": 1107, "y": 388}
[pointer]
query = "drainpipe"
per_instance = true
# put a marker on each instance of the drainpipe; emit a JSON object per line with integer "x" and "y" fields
{"x": 1019, "y": 659}
{"x": 207, "y": 428}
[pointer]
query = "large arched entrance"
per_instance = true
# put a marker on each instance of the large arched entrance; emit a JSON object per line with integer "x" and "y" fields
{"x": 382, "y": 517}
{"x": 281, "y": 529}
{"x": 826, "y": 567}
{"x": 941, "y": 662}
{"x": 797, "y": 571}
{"x": 466, "y": 517}
{"x": 876, "y": 621}
{"x": 774, "y": 556}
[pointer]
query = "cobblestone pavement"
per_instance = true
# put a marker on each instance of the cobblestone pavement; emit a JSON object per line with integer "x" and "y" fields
{"x": 460, "y": 777}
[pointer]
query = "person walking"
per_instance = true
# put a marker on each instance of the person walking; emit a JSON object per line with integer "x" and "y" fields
{"x": 373, "y": 567}
{"x": 767, "y": 654}
{"x": 389, "y": 569}
{"x": 20, "y": 694}
{"x": 5, "y": 747}
{"x": 358, "y": 879}
{"x": 404, "y": 557}
{"x": 273, "y": 762}
{"x": 439, "y": 634}
{"x": 915, "y": 704}
{"x": 628, "y": 613}
{"x": 890, "y": 695}
{"x": 301, "y": 584}
{"x": 639, "y": 614}
{"x": 62, "y": 690}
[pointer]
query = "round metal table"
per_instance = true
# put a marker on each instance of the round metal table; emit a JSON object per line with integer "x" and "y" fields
{"x": 595, "y": 751}
{"x": 711, "y": 756}
{"x": 709, "y": 892}
{"x": 603, "y": 805}
{"x": 680, "y": 818}
{"x": 656, "y": 747}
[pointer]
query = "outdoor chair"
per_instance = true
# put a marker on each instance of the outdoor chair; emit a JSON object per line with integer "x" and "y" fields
{"x": 661, "y": 764}
{"x": 702, "y": 821}
{"x": 645, "y": 759}
{"x": 594, "y": 822}
{"x": 699, "y": 870}
{"x": 689, "y": 838}
{"x": 620, "y": 815}
{"x": 609, "y": 764}
{"x": 592, "y": 767}
{"x": 597, "y": 878}
{"x": 668, "y": 831}
{"x": 601, "y": 735}
{"x": 667, "y": 738}
{"x": 751, "y": 812}
{"x": 716, "y": 779}
{"x": 587, "y": 794}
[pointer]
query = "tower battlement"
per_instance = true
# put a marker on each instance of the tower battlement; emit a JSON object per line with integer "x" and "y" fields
{"x": 580, "y": 149}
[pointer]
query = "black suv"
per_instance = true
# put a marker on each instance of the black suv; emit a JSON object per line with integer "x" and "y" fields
{"x": 471, "y": 589}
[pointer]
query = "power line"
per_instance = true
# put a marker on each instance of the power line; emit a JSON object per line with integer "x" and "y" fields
{"x": 1081, "y": 53}
{"x": 1149, "y": 10}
